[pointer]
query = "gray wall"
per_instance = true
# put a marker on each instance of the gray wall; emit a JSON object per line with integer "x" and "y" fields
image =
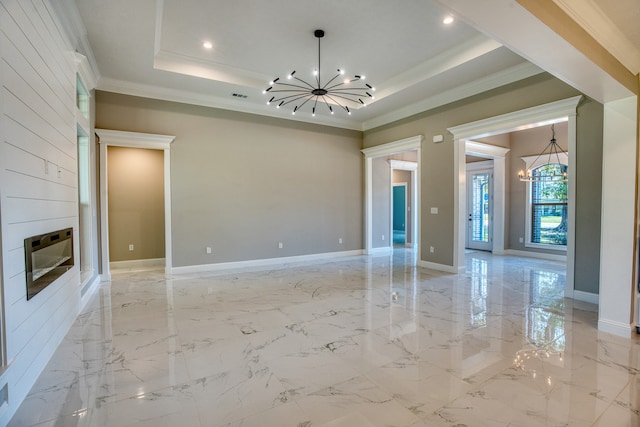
{"x": 381, "y": 203}
{"x": 437, "y": 159}
{"x": 136, "y": 203}
{"x": 242, "y": 183}
{"x": 588, "y": 196}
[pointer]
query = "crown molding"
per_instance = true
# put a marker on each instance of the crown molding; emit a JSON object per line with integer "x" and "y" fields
{"x": 205, "y": 100}
{"x": 134, "y": 139}
{"x": 509, "y": 75}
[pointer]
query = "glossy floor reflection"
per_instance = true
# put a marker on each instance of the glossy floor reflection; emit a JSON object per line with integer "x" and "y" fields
{"x": 360, "y": 341}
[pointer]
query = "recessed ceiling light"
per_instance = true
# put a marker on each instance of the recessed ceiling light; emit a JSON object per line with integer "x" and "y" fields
{"x": 207, "y": 45}
{"x": 448, "y": 20}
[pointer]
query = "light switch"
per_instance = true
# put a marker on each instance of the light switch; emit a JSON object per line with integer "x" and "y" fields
{"x": 434, "y": 210}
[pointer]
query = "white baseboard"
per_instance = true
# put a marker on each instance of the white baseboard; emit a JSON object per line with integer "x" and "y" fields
{"x": 268, "y": 262}
{"x": 137, "y": 263}
{"x": 539, "y": 255}
{"x": 586, "y": 297}
{"x": 616, "y": 328}
{"x": 441, "y": 267}
{"x": 385, "y": 250}
{"x": 91, "y": 289}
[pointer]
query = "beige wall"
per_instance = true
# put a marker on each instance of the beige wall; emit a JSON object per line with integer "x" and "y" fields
{"x": 136, "y": 203}
{"x": 437, "y": 159}
{"x": 242, "y": 183}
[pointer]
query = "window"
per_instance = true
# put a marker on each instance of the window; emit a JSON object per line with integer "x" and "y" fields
{"x": 548, "y": 215}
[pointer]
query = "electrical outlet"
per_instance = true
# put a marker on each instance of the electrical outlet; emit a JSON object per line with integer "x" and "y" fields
{"x": 340, "y": 240}
{"x": 383, "y": 237}
{"x": 432, "y": 249}
{"x": 208, "y": 249}
{"x": 280, "y": 245}
{"x": 521, "y": 240}
{"x": 131, "y": 247}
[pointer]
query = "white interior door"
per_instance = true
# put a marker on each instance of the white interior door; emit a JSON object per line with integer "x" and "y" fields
{"x": 479, "y": 209}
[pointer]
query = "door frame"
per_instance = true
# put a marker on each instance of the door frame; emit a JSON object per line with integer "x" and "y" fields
{"x": 471, "y": 169}
{"x": 116, "y": 138}
{"x": 395, "y": 147}
{"x": 565, "y": 109}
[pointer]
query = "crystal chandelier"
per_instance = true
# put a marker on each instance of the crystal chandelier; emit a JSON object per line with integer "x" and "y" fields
{"x": 337, "y": 91}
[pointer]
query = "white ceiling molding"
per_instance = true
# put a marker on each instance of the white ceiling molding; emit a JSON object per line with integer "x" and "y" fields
{"x": 181, "y": 64}
{"x": 206, "y": 100}
{"x": 595, "y": 22}
{"x": 445, "y": 61}
{"x": 510, "y": 75}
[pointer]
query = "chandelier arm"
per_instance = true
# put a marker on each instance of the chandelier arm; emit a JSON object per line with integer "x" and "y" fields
{"x": 337, "y": 103}
{"x": 290, "y": 85}
{"x": 337, "y": 95}
{"x": 291, "y": 98}
{"x": 305, "y": 101}
{"x": 306, "y": 83}
{"x": 329, "y": 82}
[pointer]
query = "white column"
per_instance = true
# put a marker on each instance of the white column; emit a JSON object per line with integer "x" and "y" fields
{"x": 618, "y": 221}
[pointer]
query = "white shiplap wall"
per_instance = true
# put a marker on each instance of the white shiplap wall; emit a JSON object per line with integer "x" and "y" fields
{"x": 38, "y": 183}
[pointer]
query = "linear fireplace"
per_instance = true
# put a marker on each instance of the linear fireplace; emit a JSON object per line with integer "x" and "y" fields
{"x": 47, "y": 257}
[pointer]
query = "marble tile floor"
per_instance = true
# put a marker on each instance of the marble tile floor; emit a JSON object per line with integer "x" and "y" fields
{"x": 351, "y": 342}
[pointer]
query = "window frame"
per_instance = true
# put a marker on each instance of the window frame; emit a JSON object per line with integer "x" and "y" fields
{"x": 534, "y": 162}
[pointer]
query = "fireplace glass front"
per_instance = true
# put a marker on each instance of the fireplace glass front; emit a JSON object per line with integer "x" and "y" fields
{"x": 47, "y": 257}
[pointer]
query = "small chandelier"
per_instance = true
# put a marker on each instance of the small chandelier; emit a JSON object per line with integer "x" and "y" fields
{"x": 552, "y": 151}
{"x": 337, "y": 91}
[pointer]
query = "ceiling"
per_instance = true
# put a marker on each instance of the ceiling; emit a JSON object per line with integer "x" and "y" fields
{"x": 155, "y": 49}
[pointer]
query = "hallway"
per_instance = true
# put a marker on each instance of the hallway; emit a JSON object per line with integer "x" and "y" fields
{"x": 359, "y": 341}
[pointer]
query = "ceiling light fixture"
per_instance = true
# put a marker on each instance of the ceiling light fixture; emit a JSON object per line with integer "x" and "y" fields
{"x": 448, "y": 20}
{"x": 334, "y": 92}
{"x": 553, "y": 152}
{"x": 207, "y": 45}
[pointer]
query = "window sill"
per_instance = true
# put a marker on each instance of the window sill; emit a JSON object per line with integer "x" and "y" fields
{"x": 556, "y": 248}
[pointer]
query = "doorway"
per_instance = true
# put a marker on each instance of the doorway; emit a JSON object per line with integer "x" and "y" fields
{"x": 399, "y": 210}
{"x": 479, "y": 207}
{"x": 109, "y": 138}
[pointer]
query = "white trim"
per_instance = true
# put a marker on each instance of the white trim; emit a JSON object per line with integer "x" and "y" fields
{"x": 616, "y": 328}
{"x": 283, "y": 262}
{"x": 91, "y": 289}
{"x": 137, "y": 263}
{"x": 538, "y": 255}
{"x": 384, "y": 250}
{"x": 545, "y": 114}
{"x": 403, "y": 165}
{"x": 440, "y": 267}
{"x": 395, "y": 147}
{"x": 586, "y": 297}
{"x": 399, "y": 146}
{"x": 480, "y": 149}
{"x": 133, "y": 140}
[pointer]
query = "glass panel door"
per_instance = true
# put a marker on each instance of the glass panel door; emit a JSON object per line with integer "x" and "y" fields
{"x": 479, "y": 197}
